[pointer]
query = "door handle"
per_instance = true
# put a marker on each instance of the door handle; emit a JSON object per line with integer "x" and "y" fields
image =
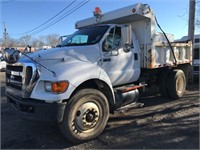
{"x": 106, "y": 59}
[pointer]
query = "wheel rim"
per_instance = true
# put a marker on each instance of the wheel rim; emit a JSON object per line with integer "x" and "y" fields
{"x": 86, "y": 117}
{"x": 180, "y": 85}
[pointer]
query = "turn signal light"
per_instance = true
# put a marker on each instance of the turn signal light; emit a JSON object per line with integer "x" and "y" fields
{"x": 59, "y": 87}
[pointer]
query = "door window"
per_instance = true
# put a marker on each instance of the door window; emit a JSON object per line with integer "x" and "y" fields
{"x": 113, "y": 40}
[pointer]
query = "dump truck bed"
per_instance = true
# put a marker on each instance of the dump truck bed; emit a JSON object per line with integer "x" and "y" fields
{"x": 159, "y": 54}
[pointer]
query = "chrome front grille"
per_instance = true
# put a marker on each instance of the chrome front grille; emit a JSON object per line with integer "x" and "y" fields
{"x": 21, "y": 78}
{"x": 29, "y": 74}
{"x": 14, "y": 77}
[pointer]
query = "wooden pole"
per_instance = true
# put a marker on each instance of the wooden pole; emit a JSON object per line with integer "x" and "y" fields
{"x": 5, "y": 35}
{"x": 191, "y": 23}
{"x": 191, "y": 29}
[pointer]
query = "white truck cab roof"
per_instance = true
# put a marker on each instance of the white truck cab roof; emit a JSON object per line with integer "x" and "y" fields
{"x": 120, "y": 16}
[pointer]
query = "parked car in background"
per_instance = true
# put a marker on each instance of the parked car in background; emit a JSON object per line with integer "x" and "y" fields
{"x": 2, "y": 63}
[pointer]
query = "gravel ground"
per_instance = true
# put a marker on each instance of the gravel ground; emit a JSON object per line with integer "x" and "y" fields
{"x": 160, "y": 124}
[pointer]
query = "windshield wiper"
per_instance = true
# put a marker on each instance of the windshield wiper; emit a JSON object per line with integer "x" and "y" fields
{"x": 54, "y": 74}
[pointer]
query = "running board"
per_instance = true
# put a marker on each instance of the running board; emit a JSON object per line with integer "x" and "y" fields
{"x": 128, "y": 88}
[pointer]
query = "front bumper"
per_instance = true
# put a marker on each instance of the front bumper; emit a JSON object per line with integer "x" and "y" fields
{"x": 37, "y": 110}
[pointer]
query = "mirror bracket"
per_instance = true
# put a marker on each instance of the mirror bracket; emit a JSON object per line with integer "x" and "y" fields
{"x": 127, "y": 48}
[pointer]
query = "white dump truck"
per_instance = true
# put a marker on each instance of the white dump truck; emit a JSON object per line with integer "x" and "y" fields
{"x": 105, "y": 65}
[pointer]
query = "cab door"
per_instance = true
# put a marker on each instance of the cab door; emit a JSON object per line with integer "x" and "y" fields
{"x": 121, "y": 66}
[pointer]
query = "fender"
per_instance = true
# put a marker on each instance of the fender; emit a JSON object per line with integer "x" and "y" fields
{"x": 75, "y": 73}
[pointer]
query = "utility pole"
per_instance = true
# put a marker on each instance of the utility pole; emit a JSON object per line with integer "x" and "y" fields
{"x": 5, "y": 36}
{"x": 191, "y": 23}
{"x": 191, "y": 29}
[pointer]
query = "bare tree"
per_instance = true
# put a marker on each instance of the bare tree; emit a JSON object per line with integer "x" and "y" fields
{"x": 25, "y": 40}
{"x": 10, "y": 42}
{"x": 13, "y": 42}
{"x": 53, "y": 39}
{"x": 197, "y": 16}
{"x": 43, "y": 39}
{"x": 38, "y": 43}
{"x": 50, "y": 40}
{"x": 1, "y": 42}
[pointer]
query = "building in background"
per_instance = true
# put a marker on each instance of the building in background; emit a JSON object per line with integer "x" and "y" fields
{"x": 196, "y": 57}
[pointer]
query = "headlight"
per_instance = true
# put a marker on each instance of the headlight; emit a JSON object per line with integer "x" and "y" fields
{"x": 47, "y": 86}
{"x": 56, "y": 87}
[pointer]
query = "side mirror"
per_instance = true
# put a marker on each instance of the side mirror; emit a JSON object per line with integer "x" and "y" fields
{"x": 62, "y": 38}
{"x": 126, "y": 38}
{"x": 11, "y": 55}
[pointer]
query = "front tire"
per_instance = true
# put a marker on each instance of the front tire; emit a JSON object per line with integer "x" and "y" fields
{"x": 85, "y": 116}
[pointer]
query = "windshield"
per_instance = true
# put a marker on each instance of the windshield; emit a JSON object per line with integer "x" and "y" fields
{"x": 85, "y": 36}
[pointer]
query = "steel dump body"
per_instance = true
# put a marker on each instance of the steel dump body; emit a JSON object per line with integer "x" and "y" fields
{"x": 160, "y": 55}
{"x": 155, "y": 50}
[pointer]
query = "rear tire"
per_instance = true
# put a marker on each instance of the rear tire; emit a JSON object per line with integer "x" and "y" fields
{"x": 176, "y": 84}
{"x": 85, "y": 116}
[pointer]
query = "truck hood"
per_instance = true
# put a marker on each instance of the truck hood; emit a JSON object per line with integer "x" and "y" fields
{"x": 65, "y": 54}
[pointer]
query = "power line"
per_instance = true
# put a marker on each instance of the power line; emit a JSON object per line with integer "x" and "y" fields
{"x": 49, "y": 19}
{"x": 62, "y": 17}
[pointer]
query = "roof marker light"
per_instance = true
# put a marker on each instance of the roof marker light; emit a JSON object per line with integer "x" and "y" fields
{"x": 133, "y": 10}
{"x": 97, "y": 12}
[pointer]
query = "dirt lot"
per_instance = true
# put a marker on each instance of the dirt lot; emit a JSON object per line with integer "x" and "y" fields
{"x": 159, "y": 124}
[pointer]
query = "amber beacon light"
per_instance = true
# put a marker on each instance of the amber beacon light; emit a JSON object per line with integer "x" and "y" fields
{"x": 97, "y": 12}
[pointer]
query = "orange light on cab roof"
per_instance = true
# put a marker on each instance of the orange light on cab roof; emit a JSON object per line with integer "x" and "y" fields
{"x": 59, "y": 87}
{"x": 97, "y": 10}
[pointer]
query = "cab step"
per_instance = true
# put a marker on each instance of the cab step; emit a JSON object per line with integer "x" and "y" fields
{"x": 130, "y": 87}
